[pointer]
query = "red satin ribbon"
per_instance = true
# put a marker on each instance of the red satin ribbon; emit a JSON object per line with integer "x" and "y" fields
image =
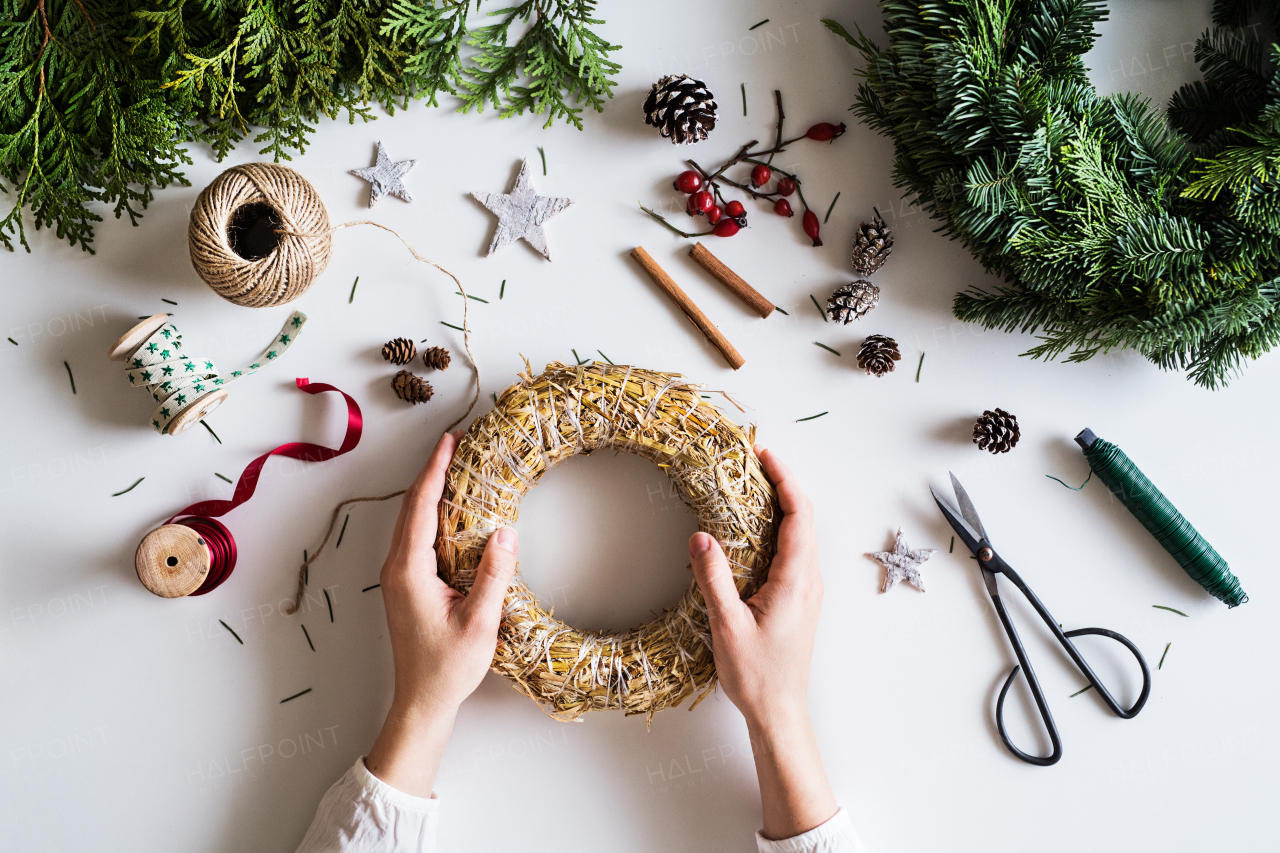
{"x": 303, "y": 450}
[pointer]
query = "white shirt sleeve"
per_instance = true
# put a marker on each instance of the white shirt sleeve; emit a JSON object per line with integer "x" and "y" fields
{"x": 362, "y": 814}
{"x": 835, "y": 836}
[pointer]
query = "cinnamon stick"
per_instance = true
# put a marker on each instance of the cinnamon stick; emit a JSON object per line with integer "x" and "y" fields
{"x": 751, "y": 297}
{"x": 693, "y": 312}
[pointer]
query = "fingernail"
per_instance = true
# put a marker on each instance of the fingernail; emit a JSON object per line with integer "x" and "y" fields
{"x": 458, "y": 434}
{"x": 507, "y": 539}
{"x": 699, "y": 543}
{"x": 759, "y": 449}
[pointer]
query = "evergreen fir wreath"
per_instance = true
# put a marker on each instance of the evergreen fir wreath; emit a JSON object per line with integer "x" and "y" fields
{"x": 101, "y": 96}
{"x": 1110, "y": 228}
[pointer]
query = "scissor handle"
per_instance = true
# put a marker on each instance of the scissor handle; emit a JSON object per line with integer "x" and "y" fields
{"x": 1036, "y": 693}
{"x": 1093, "y": 679}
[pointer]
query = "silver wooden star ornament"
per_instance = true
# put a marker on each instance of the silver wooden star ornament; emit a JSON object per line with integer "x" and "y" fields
{"x": 901, "y": 563}
{"x": 386, "y": 177}
{"x": 521, "y": 213}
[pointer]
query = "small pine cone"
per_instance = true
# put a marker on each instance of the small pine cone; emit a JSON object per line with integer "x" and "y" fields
{"x": 996, "y": 431}
{"x": 872, "y": 246}
{"x": 852, "y": 301}
{"x": 399, "y": 351}
{"x": 682, "y": 108}
{"x": 436, "y": 358}
{"x": 410, "y": 388}
{"x": 878, "y": 354}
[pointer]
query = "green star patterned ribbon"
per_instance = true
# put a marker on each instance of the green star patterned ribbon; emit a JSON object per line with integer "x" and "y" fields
{"x": 177, "y": 381}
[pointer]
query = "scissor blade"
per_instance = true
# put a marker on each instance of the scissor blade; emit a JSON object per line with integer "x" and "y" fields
{"x": 967, "y": 534}
{"x": 966, "y": 507}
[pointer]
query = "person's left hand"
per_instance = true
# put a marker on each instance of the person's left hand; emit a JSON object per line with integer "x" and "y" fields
{"x": 442, "y": 642}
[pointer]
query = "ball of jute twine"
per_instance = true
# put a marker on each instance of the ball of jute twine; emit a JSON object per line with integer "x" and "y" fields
{"x": 577, "y": 409}
{"x": 305, "y": 237}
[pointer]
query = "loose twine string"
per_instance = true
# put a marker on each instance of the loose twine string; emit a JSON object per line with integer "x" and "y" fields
{"x": 304, "y": 249}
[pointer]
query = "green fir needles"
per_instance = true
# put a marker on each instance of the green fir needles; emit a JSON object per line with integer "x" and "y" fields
{"x": 1110, "y": 228}
{"x": 100, "y": 97}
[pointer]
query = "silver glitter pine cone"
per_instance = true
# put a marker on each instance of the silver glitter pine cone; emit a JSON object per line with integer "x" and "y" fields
{"x": 878, "y": 354}
{"x": 996, "y": 431}
{"x": 411, "y": 388}
{"x": 682, "y": 109}
{"x": 872, "y": 246}
{"x": 399, "y": 350}
{"x": 852, "y": 301}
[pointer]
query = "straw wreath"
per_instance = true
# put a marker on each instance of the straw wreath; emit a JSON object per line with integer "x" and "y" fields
{"x": 543, "y": 420}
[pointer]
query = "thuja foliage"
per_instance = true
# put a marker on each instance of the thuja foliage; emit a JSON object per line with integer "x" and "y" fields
{"x": 1113, "y": 225}
{"x": 98, "y": 98}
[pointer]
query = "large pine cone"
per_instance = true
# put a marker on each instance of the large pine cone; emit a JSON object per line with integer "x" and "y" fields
{"x": 399, "y": 350}
{"x": 682, "y": 108}
{"x": 872, "y": 246}
{"x": 852, "y": 301}
{"x": 410, "y": 388}
{"x": 878, "y": 354}
{"x": 996, "y": 431}
{"x": 436, "y": 358}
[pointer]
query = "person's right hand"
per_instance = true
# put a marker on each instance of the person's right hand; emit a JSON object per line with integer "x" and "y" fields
{"x": 762, "y": 651}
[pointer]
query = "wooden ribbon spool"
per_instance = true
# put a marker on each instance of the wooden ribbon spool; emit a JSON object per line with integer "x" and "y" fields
{"x": 134, "y": 338}
{"x": 173, "y": 561}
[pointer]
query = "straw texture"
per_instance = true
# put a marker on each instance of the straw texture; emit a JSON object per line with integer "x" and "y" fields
{"x": 543, "y": 420}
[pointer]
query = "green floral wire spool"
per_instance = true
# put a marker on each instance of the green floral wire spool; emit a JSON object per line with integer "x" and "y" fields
{"x": 1149, "y": 505}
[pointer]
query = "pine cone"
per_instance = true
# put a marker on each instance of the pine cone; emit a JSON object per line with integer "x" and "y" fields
{"x": 878, "y": 354}
{"x": 436, "y": 358}
{"x": 682, "y": 108}
{"x": 872, "y": 246}
{"x": 399, "y": 350}
{"x": 410, "y": 388}
{"x": 996, "y": 431}
{"x": 852, "y": 301}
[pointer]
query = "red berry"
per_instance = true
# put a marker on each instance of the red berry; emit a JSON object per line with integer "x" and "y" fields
{"x": 688, "y": 181}
{"x": 690, "y": 208}
{"x": 810, "y": 224}
{"x": 702, "y": 201}
{"x": 786, "y": 186}
{"x": 825, "y": 132}
{"x": 714, "y": 214}
{"x": 782, "y": 207}
{"x": 726, "y": 227}
{"x": 760, "y": 175}
{"x": 735, "y": 209}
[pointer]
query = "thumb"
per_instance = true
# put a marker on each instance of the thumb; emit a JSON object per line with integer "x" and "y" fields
{"x": 493, "y": 575}
{"x": 715, "y": 579}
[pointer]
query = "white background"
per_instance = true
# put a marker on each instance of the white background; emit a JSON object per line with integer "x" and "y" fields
{"x": 128, "y": 722}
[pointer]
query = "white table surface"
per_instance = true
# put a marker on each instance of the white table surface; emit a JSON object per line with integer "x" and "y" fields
{"x": 134, "y": 723}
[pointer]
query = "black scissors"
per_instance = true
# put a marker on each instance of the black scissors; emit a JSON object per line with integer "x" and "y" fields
{"x": 969, "y": 528}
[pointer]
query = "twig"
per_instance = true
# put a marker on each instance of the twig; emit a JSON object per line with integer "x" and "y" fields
{"x": 1170, "y": 609}
{"x": 221, "y": 477}
{"x": 342, "y": 532}
{"x": 825, "y": 347}
{"x": 811, "y": 417}
{"x": 352, "y": 297}
{"x": 295, "y": 696}
{"x": 130, "y": 489}
{"x": 831, "y": 208}
{"x": 544, "y": 160}
{"x": 664, "y": 221}
{"x": 69, "y": 376}
{"x": 822, "y": 313}
{"x": 328, "y": 601}
{"x": 918, "y": 366}
{"x": 234, "y": 634}
{"x": 210, "y": 429}
{"x": 308, "y": 636}
{"x": 1165, "y": 655}
{"x": 1073, "y": 488}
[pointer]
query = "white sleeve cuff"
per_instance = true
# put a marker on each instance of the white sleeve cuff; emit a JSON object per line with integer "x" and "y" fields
{"x": 372, "y": 786}
{"x": 362, "y": 814}
{"x": 835, "y": 836}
